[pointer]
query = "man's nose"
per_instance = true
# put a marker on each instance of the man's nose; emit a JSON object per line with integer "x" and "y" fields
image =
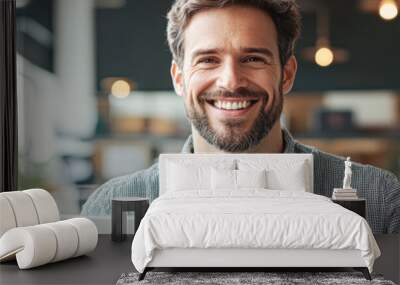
{"x": 231, "y": 77}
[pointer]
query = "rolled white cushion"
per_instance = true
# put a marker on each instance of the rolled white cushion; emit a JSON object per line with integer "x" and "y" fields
{"x": 23, "y": 208}
{"x": 87, "y": 235}
{"x": 45, "y": 205}
{"x": 7, "y": 218}
{"x": 67, "y": 239}
{"x": 26, "y": 208}
{"x": 33, "y": 246}
{"x": 40, "y": 244}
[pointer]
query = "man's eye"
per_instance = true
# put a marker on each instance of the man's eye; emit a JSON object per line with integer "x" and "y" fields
{"x": 255, "y": 59}
{"x": 207, "y": 60}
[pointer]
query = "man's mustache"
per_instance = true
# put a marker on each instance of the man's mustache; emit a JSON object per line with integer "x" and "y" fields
{"x": 239, "y": 93}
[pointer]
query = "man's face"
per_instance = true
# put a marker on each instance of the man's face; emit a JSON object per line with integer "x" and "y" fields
{"x": 231, "y": 79}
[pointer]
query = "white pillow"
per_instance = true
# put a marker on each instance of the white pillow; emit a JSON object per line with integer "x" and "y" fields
{"x": 293, "y": 180}
{"x": 222, "y": 179}
{"x": 251, "y": 178}
{"x": 183, "y": 178}
{"x": 184, "y": 175}
{"x": 281, "y": 174}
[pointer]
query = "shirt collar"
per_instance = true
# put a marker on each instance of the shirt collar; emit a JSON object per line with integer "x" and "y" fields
{"x": 288, "y": 141}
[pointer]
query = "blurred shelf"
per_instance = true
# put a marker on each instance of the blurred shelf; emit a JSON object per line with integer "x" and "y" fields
{"x": 392, "y": 135}
{"x": 380, "y": 150}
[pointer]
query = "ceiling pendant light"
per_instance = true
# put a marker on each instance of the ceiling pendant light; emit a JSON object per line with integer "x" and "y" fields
{"x": 323, "y": 54}
{"x": 388, "y": 10}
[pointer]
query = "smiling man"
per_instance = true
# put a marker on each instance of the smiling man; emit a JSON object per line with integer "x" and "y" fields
{"x": 233, "y": 63}
{"x": 231, "y": 73}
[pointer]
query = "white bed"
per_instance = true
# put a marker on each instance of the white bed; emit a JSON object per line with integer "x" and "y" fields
{"x": 201, "y": 219}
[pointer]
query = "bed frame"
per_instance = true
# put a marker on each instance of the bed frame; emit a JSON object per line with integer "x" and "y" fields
{"x": 255, "y": 259}
{"x": 250, "y": 259}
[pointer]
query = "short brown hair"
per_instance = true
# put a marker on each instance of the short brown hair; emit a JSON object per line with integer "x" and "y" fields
{"x": 284, "y": 13}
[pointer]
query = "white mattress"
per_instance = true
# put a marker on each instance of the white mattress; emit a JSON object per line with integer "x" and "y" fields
{"x": 250, "y": 219}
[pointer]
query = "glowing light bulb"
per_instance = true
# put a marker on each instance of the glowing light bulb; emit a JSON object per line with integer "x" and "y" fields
{"x": 324, "y": 57}
{"x": 388, "y": 9}
{"x": 120, "y": 89}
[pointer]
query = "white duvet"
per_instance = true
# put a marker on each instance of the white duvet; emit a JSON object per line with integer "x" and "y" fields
{"x": 253, "y": 218}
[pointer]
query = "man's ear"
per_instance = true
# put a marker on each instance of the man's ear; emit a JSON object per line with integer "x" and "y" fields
{"x": 177, "y": 78}
{"x": 289, "y": 74}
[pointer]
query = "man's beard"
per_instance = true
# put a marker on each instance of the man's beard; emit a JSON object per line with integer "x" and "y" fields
{"x": 234, "y": 139}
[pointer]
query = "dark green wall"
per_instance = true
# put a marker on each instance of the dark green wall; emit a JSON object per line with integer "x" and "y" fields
{"x": 374, "y": 47}
{"x": 131, "y": 43}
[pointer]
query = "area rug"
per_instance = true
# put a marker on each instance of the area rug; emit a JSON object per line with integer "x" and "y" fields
{"x": 243, "y": 278}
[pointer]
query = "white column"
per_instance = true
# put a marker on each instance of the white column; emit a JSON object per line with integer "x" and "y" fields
{"x": 75, "y": 66}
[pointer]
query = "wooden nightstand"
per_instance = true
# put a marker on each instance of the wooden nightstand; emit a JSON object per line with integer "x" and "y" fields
{"x": 358, "y": 206}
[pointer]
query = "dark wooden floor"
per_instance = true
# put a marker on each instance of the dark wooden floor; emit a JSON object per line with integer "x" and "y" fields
{"x": 110, "y": 260}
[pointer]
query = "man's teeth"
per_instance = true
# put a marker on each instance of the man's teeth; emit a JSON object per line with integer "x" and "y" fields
{"x": 227, "y": 105}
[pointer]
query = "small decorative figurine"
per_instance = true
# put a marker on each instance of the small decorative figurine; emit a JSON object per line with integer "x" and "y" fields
{"x": 346, "y": 192}
{"x": 347, "y": 174}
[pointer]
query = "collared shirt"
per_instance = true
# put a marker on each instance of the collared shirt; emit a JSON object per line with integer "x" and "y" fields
{"x": 379, "y": 187}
